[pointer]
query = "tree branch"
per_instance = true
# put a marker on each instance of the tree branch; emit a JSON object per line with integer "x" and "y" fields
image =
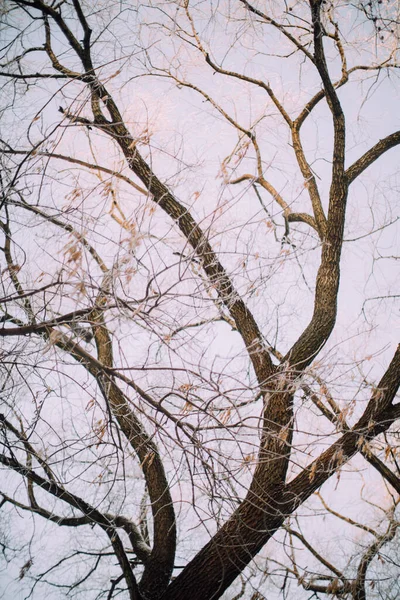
{"x": 377, "y": 418}
{"x": 96, "y": 516}
{"x": 372, "y": 155}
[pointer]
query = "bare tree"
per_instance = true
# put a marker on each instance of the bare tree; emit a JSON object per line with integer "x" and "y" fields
{"x": 178, "y": 381}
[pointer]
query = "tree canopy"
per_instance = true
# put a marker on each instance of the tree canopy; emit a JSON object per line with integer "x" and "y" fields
{"x": 199, "y": 361}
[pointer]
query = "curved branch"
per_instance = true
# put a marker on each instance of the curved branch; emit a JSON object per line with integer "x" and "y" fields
{"x": 159, "y": 566}
{"x": 377, "y": 418}
{"x": 50, "y": 516}
{"x": 59, "y": 492}
{"x": 82, "y": 163}
{"x": 287, "y": 211}
{"x": 303, "y": 218}
{"x": 280, "y": 28}
{"x": 337, "y": 419}
{"x": 139, "y": 546}
{"x": 29, "y": 448}
{"x": 256, "y": 82}
{"x": 367, "y": 159}
{"x": 359, "y": 592}
{"x": 316, "y": 554}
{"x": 45, "y": 325}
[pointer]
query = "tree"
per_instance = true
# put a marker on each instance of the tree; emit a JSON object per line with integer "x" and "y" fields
{"x": 178, "y": 380}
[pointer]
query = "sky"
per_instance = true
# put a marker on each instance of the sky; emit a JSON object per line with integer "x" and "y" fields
{"x": 187, "y": 141}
